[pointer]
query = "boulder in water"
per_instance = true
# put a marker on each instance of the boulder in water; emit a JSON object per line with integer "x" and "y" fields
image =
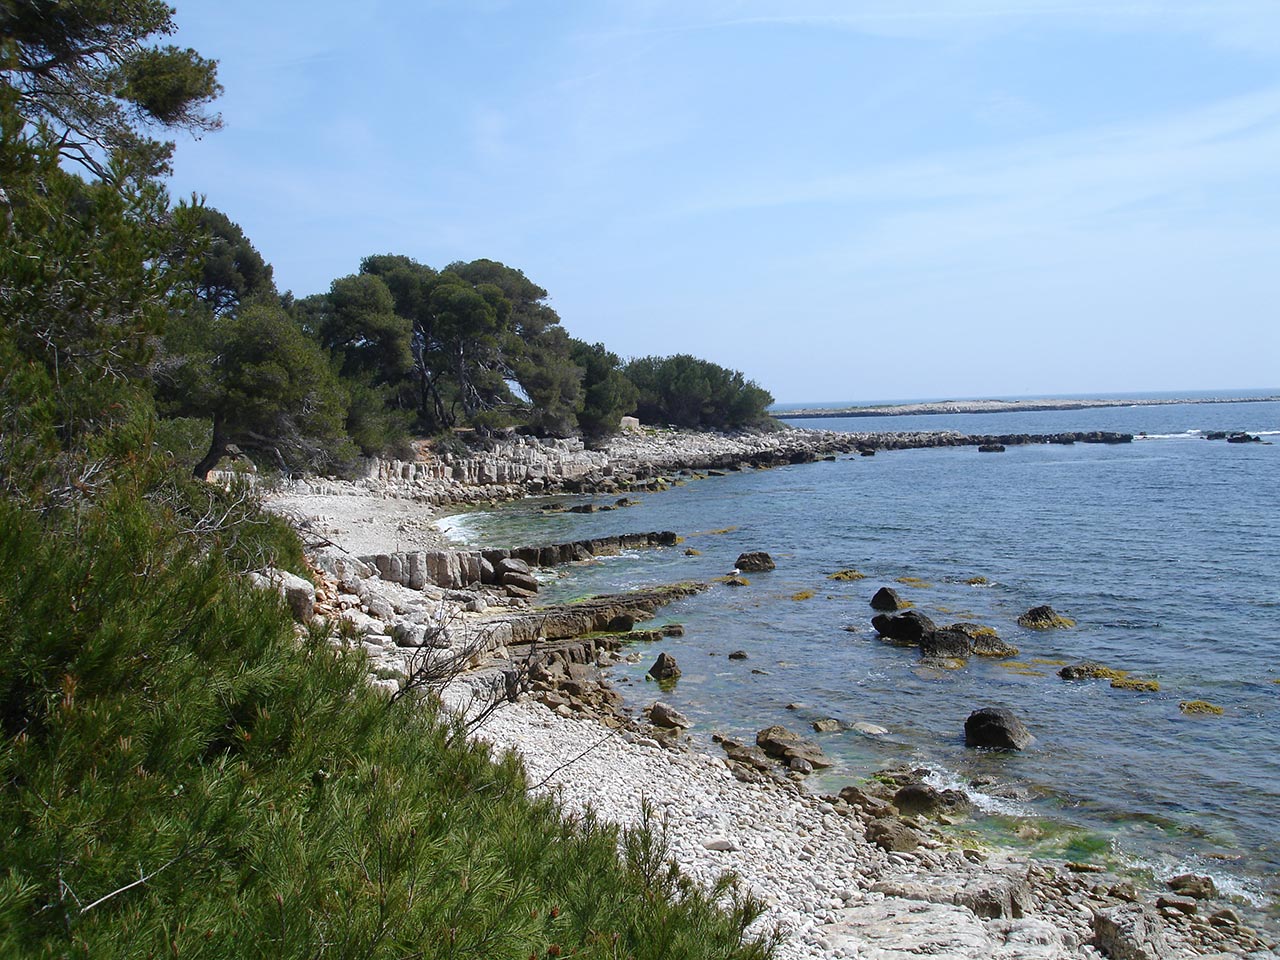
{"x": 996, "y": 728}
{"x": 665, "y": 668}
{"x": 756, "y": 561}
{"x": 1044, "y": 617}
{"x": 943, "y": 644}
{"x": 886, "y": 598}
{"x": 907, "y": 627}
{"x": 664, "y": 715}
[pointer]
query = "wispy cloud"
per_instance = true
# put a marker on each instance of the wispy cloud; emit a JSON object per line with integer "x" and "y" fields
{"x": 1251, "y": 24}
{"x": 1089, "y": 172}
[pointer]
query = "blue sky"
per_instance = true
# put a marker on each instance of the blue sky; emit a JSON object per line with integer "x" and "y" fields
{"x": 847, "y": 201}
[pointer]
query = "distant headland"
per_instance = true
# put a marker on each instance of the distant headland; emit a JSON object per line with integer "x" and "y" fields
{"x": 1002, "y": 406}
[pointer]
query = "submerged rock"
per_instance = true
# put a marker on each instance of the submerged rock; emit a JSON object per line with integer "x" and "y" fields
{"x": 996, "y": 728}
{"x": 1044, "y": 617}
{"x": 1089, "y": 670}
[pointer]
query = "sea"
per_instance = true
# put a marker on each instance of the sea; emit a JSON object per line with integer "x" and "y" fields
{"x": 1165, "y": 552}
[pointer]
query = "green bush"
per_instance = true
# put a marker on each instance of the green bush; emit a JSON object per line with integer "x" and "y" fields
{"x": 684, "y": 391}
{"x": 184, "y": 777}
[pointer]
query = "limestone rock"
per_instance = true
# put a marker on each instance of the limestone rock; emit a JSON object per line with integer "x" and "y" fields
{"x": 1131, "y": 931}
{"x": 892, "y": 835}
{"x": 997, "y": 728}
{"x": 778, "y": 741}
{"x": 746, "y": 754}
{"x": 298, "y": 593}
{"x": 664, "y": 715}
{"x": 914, "y": 798}
{"x": 1192, "y": 885}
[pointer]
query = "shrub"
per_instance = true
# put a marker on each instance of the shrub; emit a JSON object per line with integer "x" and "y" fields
{"x": 183, "y": 776}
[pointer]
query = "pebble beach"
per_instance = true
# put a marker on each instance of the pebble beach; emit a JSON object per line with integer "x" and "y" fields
{"x": 830, "y": 890}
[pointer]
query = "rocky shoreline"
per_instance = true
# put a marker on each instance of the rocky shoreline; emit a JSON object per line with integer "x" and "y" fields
{"x": 871, "y": 872}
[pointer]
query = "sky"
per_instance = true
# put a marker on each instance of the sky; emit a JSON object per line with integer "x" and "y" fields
{"x": 848, "y": 201}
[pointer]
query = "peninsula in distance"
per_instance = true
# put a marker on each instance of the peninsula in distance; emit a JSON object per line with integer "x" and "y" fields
{"x": 1002, "y": 406}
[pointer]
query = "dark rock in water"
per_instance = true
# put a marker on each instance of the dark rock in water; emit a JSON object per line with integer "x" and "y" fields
{"x": 1044, "y": 617}
{"x": 584, "y": 508}
{"x": 738, "y": 655}
{"x": 866, "y": 452}
{"x": 1131, "y": 931}
{"x": 664, "y": 715}
{"x": 998, "y": 728}
{"x": 757, "y": 561}
{"x": 991, "y": 448}
{"x": 1243, "y": 438}
{"x": 985, "y": 641}
{"x": 829, "y": 725}
{"x": 665, "y": 668}
{"x": 1088, "y": 670}
{"x": 1216, "y": 435}
{"x": 886, "y": 598}
{"x": 945, "y": 643}
{"x": 1191, "y": 885}
{"x": 892, "y": 836}
{"x": 907, "y": 627}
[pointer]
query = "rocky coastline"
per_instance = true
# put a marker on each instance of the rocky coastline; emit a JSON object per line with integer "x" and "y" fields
{"x": 870, "y": 872}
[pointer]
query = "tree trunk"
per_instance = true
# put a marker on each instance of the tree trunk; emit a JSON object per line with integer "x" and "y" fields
{"x": 217, "y": 448}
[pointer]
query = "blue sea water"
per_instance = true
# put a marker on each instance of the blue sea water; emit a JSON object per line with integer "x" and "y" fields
{"x": 1165, "y": 551}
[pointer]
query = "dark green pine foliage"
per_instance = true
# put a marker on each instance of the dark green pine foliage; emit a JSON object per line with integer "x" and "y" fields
{"x": 607, "y": 394}
{"x": 92, "y": 73}
{"x": 685, "y": 391}
{"x": 184, "y": 778}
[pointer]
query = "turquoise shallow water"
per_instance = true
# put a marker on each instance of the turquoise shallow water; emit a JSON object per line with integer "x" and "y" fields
{"x": 1165, "y": 551}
